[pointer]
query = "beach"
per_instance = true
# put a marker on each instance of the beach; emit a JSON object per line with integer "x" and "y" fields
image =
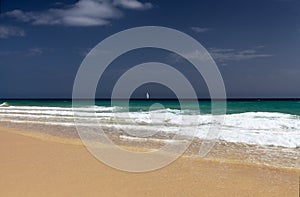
{"x": 142, "y": 98}
{"x": 33, "y": 166}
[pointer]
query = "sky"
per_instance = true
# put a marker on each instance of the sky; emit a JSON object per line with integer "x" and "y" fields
{"x": 255, "y": 44}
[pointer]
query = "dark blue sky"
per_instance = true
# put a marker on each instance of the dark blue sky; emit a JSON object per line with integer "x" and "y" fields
{"x": 255, "y": 43}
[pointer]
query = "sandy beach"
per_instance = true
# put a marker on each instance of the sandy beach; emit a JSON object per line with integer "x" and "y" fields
{"x": 34, "y": 167}
{"x": 148, "y": 98}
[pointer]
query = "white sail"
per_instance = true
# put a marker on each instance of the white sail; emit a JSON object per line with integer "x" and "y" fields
{"x": 147, "y": 95}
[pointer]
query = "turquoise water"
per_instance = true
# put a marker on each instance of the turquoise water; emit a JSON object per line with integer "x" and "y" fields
{"x": 233, "y": 107}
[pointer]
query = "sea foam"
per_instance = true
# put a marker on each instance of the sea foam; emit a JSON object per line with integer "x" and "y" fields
{"x": 257, "y": 128}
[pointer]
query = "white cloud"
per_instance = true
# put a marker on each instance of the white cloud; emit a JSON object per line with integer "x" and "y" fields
{"x": 260, "y": 46}
{"x": 197, "y": 55}
{"x": 132, "y": 4}
{"x": 200, "y": 29}
{"x": 58, "y": 3}
{"x": 35, "y": 51}
{"x": 10, "y": 31}
{"x": 223, "y": 55}
{"x": 82, "y": 13}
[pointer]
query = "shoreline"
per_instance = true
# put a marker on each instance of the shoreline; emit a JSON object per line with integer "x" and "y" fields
{"x": 234, "y": 151}
{"x": 35, "y": 167}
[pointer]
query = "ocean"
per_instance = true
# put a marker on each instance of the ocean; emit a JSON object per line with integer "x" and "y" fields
{"x": 261, "y": 132}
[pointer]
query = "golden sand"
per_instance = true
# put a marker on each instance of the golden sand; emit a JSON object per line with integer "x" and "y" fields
{"x": 34, "y": 167}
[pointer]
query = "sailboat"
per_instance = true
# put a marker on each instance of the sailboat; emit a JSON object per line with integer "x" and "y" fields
{"x": 147, "y": 95}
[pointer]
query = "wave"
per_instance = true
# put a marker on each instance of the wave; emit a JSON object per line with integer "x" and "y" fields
{"x": 259, "y": 128}
{"x": 5, "y": 104}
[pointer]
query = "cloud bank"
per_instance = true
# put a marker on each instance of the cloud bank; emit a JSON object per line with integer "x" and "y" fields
{"x": 200, "y": 29}
{"x": 223, "y": 55}
{"x": 10, "y": 31}
{"x": 82, "y": 13}
{"x": 34, "y": 51}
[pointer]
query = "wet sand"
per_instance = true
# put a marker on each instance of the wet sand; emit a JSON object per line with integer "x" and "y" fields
{"x": 35, "y": 167}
